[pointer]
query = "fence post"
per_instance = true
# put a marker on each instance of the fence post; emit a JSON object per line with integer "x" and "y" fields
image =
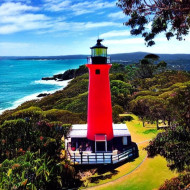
{"x": 74, "y": 158}
{"x": 134, "y": 152}
{"x": 103, "y": 157}
{"x": 81, "y": 157}
{"x": 88, "y": 158}
{"x": 111, "y": 159}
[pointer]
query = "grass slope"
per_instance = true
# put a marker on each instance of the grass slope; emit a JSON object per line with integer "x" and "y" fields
{"x": 141, "y": 173}
{"x": 150, "y": 175}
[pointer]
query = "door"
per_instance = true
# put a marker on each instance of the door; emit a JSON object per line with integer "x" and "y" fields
{"x": 100, "y": 143}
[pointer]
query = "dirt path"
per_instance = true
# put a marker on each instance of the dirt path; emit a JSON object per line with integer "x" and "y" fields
{"x": 121, "y": 178}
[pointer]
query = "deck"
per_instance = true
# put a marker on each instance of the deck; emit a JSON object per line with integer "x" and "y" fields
{"x": 114, "y": 157}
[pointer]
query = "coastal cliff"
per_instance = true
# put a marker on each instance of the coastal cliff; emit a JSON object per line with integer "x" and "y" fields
{"x": 69, "y": 74}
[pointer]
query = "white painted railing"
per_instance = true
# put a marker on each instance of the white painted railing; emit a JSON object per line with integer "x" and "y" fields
{"x": 101, "y": 158}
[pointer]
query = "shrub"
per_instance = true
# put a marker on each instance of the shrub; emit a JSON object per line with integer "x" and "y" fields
{"x": 34, "y": 112}
{"x": 63, "y": 116}
{"x": 180, "y": 182}
{"x": 76, "y": 104}
{"x": 126, "y": 118}
{"x": 32, "y": 171}
{"x": 116, "y": 110}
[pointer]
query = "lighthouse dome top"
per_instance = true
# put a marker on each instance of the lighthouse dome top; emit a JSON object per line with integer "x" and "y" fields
{"x": 99, "y": 45}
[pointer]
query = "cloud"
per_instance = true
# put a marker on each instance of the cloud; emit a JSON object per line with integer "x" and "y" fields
{"x": 23, "y": 1}
{"x": 24, "y": 18}
{"x": 77, "y": 26}
{"x": 125, "y": 41}
{"x": 14, "y": 9}
{"x": 101, "y": 24}
{"x": 115, "y": 33}
{"x": 87, "y": 7}
{"x": 17, "y": 17}
{"x": 117, "y": 15}
{"x": 56, "y": 5}
{"x": 77, "y": 7}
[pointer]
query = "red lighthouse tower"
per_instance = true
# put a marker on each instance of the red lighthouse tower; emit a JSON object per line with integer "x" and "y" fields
{"x": 99, "y": 141}
{"x": 99, "y": 98}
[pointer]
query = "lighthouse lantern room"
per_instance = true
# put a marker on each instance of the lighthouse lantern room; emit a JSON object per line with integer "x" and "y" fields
{"x": 99, "y": 53}
{"x": 99, "y": 141}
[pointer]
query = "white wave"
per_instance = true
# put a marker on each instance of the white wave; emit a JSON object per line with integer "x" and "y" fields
{"x": 53, "y": 82}
{"x": 20, "y": 101}
{"x": 34, "y": 96}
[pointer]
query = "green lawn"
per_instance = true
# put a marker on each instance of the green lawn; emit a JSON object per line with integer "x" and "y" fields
{"x": 115, "y": 173}
{"x": 140, "y": 133}
{"x": 150, "y": 175}
{"x": 140, "y": 173}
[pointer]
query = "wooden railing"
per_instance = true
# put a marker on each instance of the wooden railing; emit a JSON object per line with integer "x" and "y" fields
{"x": 101, "y": 158}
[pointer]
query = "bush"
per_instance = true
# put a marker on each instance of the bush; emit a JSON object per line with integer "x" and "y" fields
{"x": 126, "y": 118}
{"x": 34, "y": 112}
{"x": 32, "y": 171}
{"x": 63, "y": 116}
{"x": 116, "y": 110}
{"x": 180, "y": 182}
{"x": 76, "y": 104}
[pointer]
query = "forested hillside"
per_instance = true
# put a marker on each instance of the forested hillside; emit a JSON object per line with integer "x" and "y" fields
{"x": 32, "y": 152}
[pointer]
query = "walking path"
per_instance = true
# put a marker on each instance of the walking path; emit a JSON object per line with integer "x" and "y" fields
{"x": 112, "y": 182}
{"x": 144, "y": 141}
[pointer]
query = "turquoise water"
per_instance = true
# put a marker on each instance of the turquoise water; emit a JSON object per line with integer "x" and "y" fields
{"x": 20, "y": 80}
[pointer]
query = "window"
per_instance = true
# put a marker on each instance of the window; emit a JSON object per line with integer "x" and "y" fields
{"x": 124, "y": 140}
{"x": 97, "y": 71}
{"x": 96, "y": 52}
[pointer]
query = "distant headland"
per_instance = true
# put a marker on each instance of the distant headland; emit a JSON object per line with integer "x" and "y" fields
{"x": 177, "y": 61}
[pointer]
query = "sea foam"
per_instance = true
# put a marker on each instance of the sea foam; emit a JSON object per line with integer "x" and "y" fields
{"x": 34, "y": 96}
{"x": 53, "y": 82}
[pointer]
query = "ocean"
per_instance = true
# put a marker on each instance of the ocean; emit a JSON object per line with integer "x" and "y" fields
{"x": 20, "y": 80}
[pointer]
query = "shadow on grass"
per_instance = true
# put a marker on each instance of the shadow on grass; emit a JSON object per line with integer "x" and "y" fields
{"x": 150, "y": 131}
{"x": 97, "y": 173}
{"x": 108, "y": 171}
{"x": 102, "y": 176}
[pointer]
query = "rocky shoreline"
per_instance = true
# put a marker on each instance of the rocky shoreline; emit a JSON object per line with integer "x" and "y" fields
{"x": 69, "y": 74}
{"x": 43, "y": 95}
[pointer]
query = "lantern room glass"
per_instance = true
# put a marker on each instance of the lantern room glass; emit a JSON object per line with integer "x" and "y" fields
{"x": 99, "y": 52}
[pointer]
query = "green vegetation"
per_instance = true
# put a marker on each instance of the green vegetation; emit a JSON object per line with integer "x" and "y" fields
{"x": 150, "y": 175}
{"x": 169, "y": 17}
{"x": 172, "y": 144}
{"x": 135, "y": 174}
{"x": 34, "y": 171}
{"x": 138, "y": 132}
{"x": 181, "y": 182}
{"x": 31, "y": 135}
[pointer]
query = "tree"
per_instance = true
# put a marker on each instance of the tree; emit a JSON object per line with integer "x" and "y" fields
{"x": 171, "y": 17}
{"x": 174, "y": 145}
{"x": 149, "y": 108}
{"x": 120, "y": 92}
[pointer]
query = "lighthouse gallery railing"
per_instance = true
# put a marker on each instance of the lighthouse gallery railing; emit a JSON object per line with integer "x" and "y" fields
{"x": 101, "y": 158}
{"x": 89, "y": 59}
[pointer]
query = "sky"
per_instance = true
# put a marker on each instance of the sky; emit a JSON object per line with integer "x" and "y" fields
{"x": 70, "y": 27}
